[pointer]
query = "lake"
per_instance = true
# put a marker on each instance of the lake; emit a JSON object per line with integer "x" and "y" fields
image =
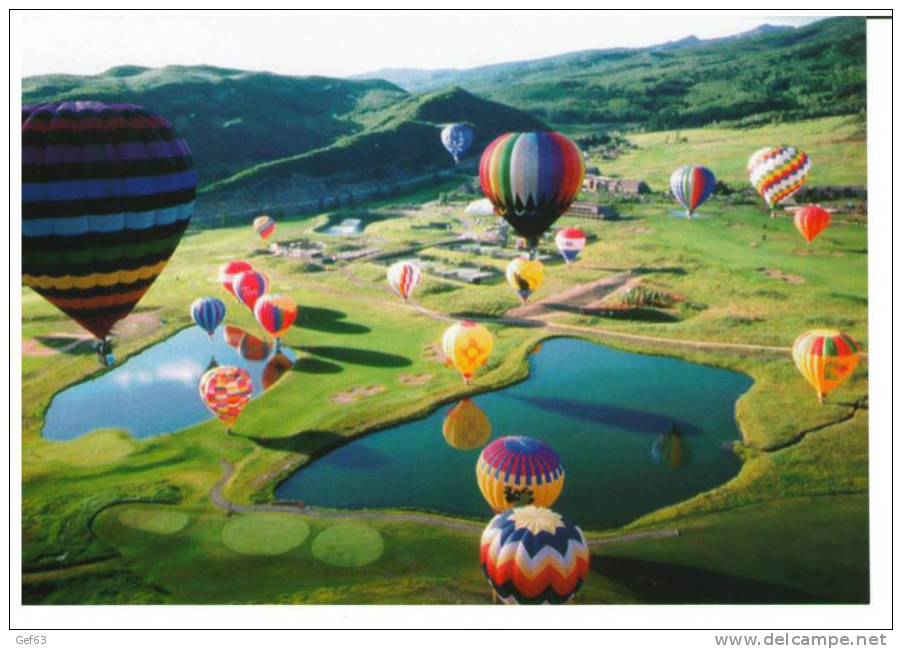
{"x": 634, "y": 432}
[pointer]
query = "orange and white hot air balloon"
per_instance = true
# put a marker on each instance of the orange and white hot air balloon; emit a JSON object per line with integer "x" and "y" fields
{"x": 811, "y": 220}
{"x": 404, "y": 277}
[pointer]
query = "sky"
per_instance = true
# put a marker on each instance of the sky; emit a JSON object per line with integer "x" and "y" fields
{"x": 345, "y": 43}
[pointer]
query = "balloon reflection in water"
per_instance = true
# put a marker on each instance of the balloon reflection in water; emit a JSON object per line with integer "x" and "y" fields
{"x": 275, "y": 369}
{"x": 467, "y": 427}
{"x": 670, "y": 449}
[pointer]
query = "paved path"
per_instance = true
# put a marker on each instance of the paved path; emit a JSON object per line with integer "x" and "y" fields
{"x": 301, "y": 509}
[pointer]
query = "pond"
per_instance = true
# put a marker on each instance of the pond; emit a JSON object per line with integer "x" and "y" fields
{"x": 156, "y": 391}
{"x": 634, "y": 432}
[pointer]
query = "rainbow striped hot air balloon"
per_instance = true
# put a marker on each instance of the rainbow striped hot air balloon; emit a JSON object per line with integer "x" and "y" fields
{"x": 208, "y": 313}
{"x": 515, "y": 471}
{"x": 570, "y": 242}
{"x": 249, "y": 287}
{"x": 692, "y": 186}
{"x": 404, "y": 277}
{"x": 531, "y": 179}
{"x": 532, "y": 555}
{"x": 525, "y": 276}
{"x": 826, "y": 358}
{"x": 276, "y": 313}
{"x": 811, "y": 220}
{"x": 467, "y": 347}
{"x": 226, "y": 390}
{"x": 264, "y": 226}
{"x": 107, "y": 191}
{"x": 778, "y": 172}
{"x": 467, "y": 427}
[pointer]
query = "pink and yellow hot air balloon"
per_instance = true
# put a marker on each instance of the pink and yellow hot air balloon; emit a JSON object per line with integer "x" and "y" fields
{"x": 515, "y": 471}
{"x": 276, "y": 313}
{"x": 264, "y": 226}
{"x": 826, "y": 358}
{"x": 532, "y": 555}
{"x": 525, "y": 276}
{"x": 811, "y": 220}
{"x": 226, "y": 390}
{"x": 467, "y": 347}
{"x": 229, "y": 272}
{"x": 249, "y": 286}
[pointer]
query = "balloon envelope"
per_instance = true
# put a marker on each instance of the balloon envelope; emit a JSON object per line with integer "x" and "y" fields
{"x": 778, "y": 172}
{"x": 570, "y": 242}
{"x": 264, "y": 226}
{"x": 107, "y": 192}
{"x": 811, "y": 220}
{"x": 467, "y": 427}
{"x": 229, "y": 272}
{"x": 692, "y": 186}
{"x": 226, "y": 390}
{"x": 525, "y": 276}
{"x": 826, "y": 358}
{"x": 208, "y": 313}
{"x": 532, "y": 555}
{"x": 404, "y": 277}
{"x": 467, "y": 347}
{"x": 249, "y": 287}
{"x": 482, "y": 207}
{"x": 457, "y": 139}
{"x": 515, "y": 471}
{"x": 531, "y": 179}
{"x": 276, "y": 313}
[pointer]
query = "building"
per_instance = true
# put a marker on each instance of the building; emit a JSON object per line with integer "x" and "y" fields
{"x": 595, "y": 184}
{"x": 592, "y": 211}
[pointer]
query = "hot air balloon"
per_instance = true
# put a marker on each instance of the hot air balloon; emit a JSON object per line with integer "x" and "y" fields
{"x": 250, "y": 286}
{"x": 208, "y": 313}
{"x": 692, "y": 186}
{"x": 253, "y": 349}
{"x": 457, "y": 139}
{"x": 531, "y": 179}
{"x": 811, "y": 220}
{"x": 466, "y": 426}
{"x": 467, "y": 347}
{"x": 404, "y": 277}
{"x": 532, "y": 555}
{"x": 778, "y": 172}
{"x": 525, "y": 276}
{"x": 264, "y": 226}
{"x": 276, "y": 314}
{"x": 481, "y": 207}
{"x": 514, "y": 471}
{"x": 826, "y": 358}
{"x": 232, "y": 335}
{"x": 226, "y": 390}
{"x": 107, "y": 191}
{"x": 570, "y": 242}
{"x": 229, "y": 272}
{"x": 275, "y": 369}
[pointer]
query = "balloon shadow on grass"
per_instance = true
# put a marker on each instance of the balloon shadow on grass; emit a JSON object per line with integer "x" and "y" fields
{"x": 312, "y": 365}
{"x": 328, "y": 321}
{"x": 355, "y": 356}
{"x": 67, "y": 345}
{"x": 311, "y": 442}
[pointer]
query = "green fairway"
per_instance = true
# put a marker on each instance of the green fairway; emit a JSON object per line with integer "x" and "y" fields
{"x": 140, "y": 511}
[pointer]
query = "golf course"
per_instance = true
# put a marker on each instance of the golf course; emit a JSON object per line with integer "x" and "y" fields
{"x": 191, "y": 514}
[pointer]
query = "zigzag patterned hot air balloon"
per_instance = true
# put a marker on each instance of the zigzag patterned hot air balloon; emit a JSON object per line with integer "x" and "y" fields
{"x": 208, "y": 313}
{"x": 570, "y": 242}
{"x": 107, "y": 191}
{"x": 811, "y": 220}
{"x": 264, "y": 226}
{"x": 525, "y": 276}
{"x": 276, "y": 313}
{"x": 531, "y": 179}
{"x": 249, "y": 287}
{"x": 778, "y": 172}
{"x": 467, "y": 347}
{"x": 692, "y": 186}
{"x": 404, "y": 277}
{"x": 826, "y": 358}
{"x": 467, "y": 427}
{"x": 515, "y": 471}
{"x": 457, "y": 139}
{"x": 226, "y": 390}
{"x": 532, "y": 555}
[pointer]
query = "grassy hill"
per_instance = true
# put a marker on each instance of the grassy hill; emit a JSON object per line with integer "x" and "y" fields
{"x": 766, "y": 75}
{"x": 232, "y": 119}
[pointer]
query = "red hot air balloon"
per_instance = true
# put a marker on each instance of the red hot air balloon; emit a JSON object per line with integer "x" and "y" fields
{"x": 811, "y": 220}
{"x": 229, "y": 272}
{"x": 250, "y": 286}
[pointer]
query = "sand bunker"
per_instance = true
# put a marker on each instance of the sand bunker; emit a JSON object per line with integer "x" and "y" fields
{"x": 356, "y": 394}
{"x": 414, "y": 379}
{"x": 773, "y": 273}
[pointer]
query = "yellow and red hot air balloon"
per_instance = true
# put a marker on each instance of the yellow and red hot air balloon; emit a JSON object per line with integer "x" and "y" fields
{"x": 531, "y": 179}
{"x": 826, "y": 358}
{"x": 276, "y": 313}
{"x": 467, "y": 427}
{"x": 264, "y": 226}
{"x": 226, "y": 390}
{"x": 532, "y": 555}
{"x": 811, "y": 220}
{"x": 525, "y": 276}
{"x": 467, "y": 347}
{"x": 778, "y": 172}
{"x": 515, "y": 471}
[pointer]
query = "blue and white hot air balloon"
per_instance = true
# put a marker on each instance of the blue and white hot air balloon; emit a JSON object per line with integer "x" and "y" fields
{"x": 457, "y": 138}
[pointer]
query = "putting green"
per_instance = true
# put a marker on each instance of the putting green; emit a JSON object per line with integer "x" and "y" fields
{"x": 349, "y": 545}
{"x": 264, "y": 534}
{"x": 154, "y": 520}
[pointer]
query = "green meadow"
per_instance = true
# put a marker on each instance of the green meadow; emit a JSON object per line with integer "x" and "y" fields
{"x": 109, "y": 519}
